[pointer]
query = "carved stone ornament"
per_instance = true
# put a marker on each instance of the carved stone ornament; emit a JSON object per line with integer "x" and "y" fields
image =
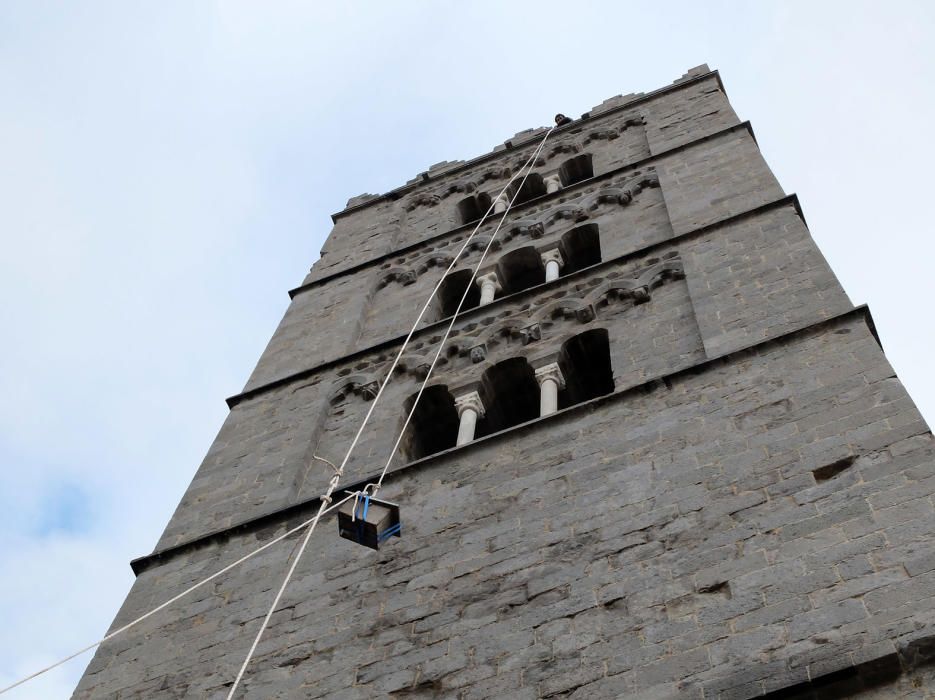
{"x": 369, "y": 390}
{"x": 488, "y": 278}
{"x": 478, "y": 354}
{"x": 551, "y": 371}
{"x": 531, "y": 333}
{"x": 470, "y": 400}
{"x": 553, "y": 255}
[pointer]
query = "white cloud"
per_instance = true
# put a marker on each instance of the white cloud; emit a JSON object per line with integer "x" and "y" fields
{"x": 168, "y": 174}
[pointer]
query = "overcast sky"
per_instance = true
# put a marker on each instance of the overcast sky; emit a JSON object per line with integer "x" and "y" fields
{"x": 168, "y": 171}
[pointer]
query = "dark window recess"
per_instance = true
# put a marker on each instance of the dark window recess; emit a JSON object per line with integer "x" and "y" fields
{"x": 472, "y": 208}
{"x": 585, "y": 364}
{"x": 434, "y": 424}
{"x": 451, "y": 291}
{"x": 510, "y": 394}
{"x": 829, "y": 471}
{"x": 576, "y": 169}
{"x": 581, "y": 248}
{"x": 520, "y": 269}
{"x": 533, "y": 187}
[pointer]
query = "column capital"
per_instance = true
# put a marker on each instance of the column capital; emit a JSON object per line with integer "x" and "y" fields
{"x": 488, "y": 277}
{"x": 553, "y": 183}
{"x": 552, "y": 255}
{"x": 470, "y": 400}
{"x": 550, "y": 371}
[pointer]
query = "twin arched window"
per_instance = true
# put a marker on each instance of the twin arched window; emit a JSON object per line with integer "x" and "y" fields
{"x": 521, "y": 269}
{"x": 509, "y": 391}
{"x": 571, "y": 172}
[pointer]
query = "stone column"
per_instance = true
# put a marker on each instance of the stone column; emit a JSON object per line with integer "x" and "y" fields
{"x": 470, "y": 408}
{"x": 552, "y": 184}
{"x": 554, "y": 262}
{"x": 550, "y": 381}
{"x": 489, "y": 286}
{"x": 500, "y": 203}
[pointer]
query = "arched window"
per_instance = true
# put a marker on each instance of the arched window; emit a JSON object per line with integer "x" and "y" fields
{"x": 581, "y": 248}
{"x": 511, "y": 396}
{"x": 434, "y": 424}
{"x": 473, "y": 207}
{"x": 585, "y": 363}
{"x": 451, "y": 291}
{"x": 576, "y": 169}
{"x": 520, "y": 269}
{"x": 533, "y": 187}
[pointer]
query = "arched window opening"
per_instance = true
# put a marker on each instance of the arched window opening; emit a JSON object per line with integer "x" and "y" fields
{"x": 581, "y": 248}
{"x": 576, "y": 169}
{"x": 472, "y": 208}
{"x": 533, "y": 187}
{"x": 434, "y": 424}
{"x": 520, "y": 269}
{"x": 585, "y": 363}
{"x": 451, "y": 291}
{"x": 511, "y": 396}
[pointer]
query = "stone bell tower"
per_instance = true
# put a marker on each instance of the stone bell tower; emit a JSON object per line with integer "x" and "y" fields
{"x": 664, "y": 455}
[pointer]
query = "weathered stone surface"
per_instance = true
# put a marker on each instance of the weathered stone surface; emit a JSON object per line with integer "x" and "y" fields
{"x": 748, "y": 512}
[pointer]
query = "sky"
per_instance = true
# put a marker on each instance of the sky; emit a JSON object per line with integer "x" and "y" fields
{"x": 168, "y": 171}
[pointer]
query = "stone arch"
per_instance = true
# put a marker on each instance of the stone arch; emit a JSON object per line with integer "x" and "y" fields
{"x": 472, "y": 207}
{"x": 566, "y": 147}
{"x": 526, "y": 189}
{"x": 452, "y": 290}
{"x": 489, "y": 337}
{"x": 396, "y": 274}
{"x": 606, "y": 195}
{"x": 434, "y": 424}
{"x": 661, "y": 272}
{"x": 616, "y": 290}
{"x": 464, "y": 185}
{"x": 607, "y": 133}
{"x": 520, "y": 269}
{"x": 585, "y": 360}
{"x": 414, "y": 364}
{"x": 580, "y": 247}
{"x": 567, "y": 308}
{"x": 576, "y": 169}
{"x": 572, "y": 212}
{"x": 430, "y": 260}
{"x": 510, "y": 394}
{"x": 494, "y": 173}
{"x": 422, "y": 199}
{"x": 362, "y": 385}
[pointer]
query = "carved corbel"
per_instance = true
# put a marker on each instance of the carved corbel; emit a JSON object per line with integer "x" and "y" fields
{"x": 478, "y": 353}
{"x": 531, "y": 333}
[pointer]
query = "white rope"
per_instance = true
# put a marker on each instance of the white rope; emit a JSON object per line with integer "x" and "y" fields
{"x": 454, "y": 318}
{"x": 340, "y": 470}
{"x": 181, "y": 595}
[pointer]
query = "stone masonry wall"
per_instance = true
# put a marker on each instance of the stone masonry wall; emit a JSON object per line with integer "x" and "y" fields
{"x": 686, "y": 542}
{"x": 747, "y": 514}
{"x": 698, "y": 186}
{"x": 747, "y": 281}
{"x": 262, "y": 455}
{"x": 664, "y": 122}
